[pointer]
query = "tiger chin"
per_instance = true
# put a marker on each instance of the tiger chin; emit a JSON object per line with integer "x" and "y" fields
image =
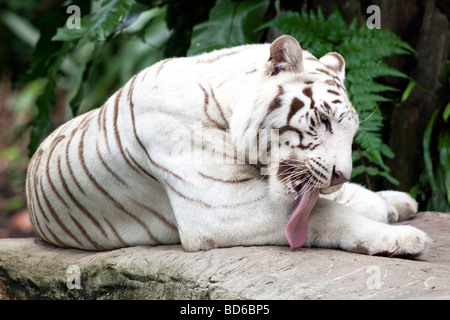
{"x": 238, "y": 147}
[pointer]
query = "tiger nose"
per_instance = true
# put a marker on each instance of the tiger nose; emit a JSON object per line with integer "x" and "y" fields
{"x": 337, "y": 177}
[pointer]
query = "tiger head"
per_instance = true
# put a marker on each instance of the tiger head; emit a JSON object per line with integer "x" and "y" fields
{"x": 316, "y": 124}
{"x": 315, "y": 120}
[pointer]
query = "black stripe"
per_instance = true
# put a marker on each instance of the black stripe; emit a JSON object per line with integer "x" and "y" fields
{"x": 225, "y": 181}
{"x": 81, "y": 208}
{"x": 106, "y": 194}
{"x": 205, "y": 110}
{"x": 222, "y": 115}
{"x": 107, "y": 168}
{"x": 69, "y": 166}
{"x": 160, "y": 217}
{"x": 141, "y": 145}
{"x": 123, "y": 243}
{"x": 140, "y": 167}
{"x": 206, "y": 205}
{"x": 296, "y": 105}
{"x": 319, "y": 164}
{"x": 274, "y": 104}
{"x": 116, "y": 130}
{"x": 104, "y": 128}
{"x": 56, "y": 239}
{"x": 333, "y": 92}
{"x": 318, "y": 174}
{"x": 57, "y": 140}
{"x": 57, "y": 219}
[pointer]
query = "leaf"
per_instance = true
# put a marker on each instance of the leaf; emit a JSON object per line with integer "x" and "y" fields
{"x": 386, "y": 151}
{"x": 46, "y": 50}
{"x": 411, "y": 85}
{"x": 408, "y": 90}
{"x": 45, "y": 63}
{"x": 446, "y": 113}
{"x": 20, "y": 27}
{"x": 374, "y": 172}
{"x": 181, "y": 20}
{"x": 230, "y": 23}
{"x": 444, "y": 162}
{"x": 415, "y": 190}
{"x": 97, "y": 25}
{"x": 144, "y": 40}
{"x": 363, "y": 87}
{"x": 427, "y": 155}
{"x": 357, "y": 171}
{"x": 76, "y": 101}
{"x": 315, "y": 33}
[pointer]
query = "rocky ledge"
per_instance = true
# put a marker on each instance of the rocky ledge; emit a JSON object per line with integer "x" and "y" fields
{"x": 33, "y": 269}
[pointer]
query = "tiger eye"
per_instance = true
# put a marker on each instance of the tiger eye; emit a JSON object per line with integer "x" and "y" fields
{"x": 326, "y": 122}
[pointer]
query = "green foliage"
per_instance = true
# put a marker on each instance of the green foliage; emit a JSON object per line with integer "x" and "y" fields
{"x": 45, "y": 63}
{"x": 13, "y": 162}
{"x": 229, "y": 24}
{"x": 433, "y": 186}
{"x": 436, "y": 175}
{"x": 99, "y": 24}
{"x": 68, "y": 56}
{"x": 181, "y": 19}
{"x": 363, "y": 50}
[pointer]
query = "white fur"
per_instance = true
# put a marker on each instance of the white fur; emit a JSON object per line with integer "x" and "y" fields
{"x": 169, "y": 121}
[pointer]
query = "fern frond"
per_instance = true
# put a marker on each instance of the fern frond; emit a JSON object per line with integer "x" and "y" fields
{"x": 367, "y": 98}
{"x": 363, "y": 87}
{"x": 371, "y": 70}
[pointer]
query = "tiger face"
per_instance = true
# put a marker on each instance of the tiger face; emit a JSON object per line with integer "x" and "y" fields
{"x": 316, "y": 124}
{"x": 314, "y": 118}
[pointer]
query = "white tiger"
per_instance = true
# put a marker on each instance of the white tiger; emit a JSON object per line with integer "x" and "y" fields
{"x": 118, "y": 176}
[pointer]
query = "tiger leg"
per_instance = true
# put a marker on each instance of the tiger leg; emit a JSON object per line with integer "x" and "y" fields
{"x": 204, "y": 229}
{"x": 224, "y": 210}
{"x": 384, "y": 206}
{"x": 333, "y": 225}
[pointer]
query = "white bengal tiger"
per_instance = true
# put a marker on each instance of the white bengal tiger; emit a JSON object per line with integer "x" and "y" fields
{"x": 119, "y": 175}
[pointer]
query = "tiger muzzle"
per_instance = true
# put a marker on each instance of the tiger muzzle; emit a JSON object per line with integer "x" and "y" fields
{"x": 337, "y": 180}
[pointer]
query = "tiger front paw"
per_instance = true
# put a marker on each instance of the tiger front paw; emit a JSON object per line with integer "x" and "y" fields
{"x": 396, "y": 241}
{"x": 403, "y": 203}
{"x": 368, "y": 203}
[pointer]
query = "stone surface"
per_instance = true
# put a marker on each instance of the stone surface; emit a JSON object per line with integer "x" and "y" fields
{"x": 32, "y": 269}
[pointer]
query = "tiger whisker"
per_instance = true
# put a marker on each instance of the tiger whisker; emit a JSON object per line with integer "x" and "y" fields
{"x": 370, "y": 115}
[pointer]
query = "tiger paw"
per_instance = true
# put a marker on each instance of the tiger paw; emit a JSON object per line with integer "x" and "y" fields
{"x": 403, "y": 203}
{"x": 396, "y": 241}
{"x": 368, "y": 203}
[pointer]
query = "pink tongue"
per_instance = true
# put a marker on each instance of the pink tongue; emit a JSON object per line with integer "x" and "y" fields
{"x": 296, "y": 230}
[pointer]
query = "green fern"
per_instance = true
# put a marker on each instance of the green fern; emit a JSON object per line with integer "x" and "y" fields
{"x": 363, "y": 50}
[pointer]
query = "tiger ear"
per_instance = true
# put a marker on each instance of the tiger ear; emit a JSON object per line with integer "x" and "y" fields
{"x": 285, "y": 55}
{"x": 335, "y": 62}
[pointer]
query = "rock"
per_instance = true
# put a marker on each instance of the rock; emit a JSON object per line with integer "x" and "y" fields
{"x": 33, "y": 269}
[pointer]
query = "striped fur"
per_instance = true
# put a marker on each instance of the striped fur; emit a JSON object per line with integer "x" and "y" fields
{"x": 120, "y": 176}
